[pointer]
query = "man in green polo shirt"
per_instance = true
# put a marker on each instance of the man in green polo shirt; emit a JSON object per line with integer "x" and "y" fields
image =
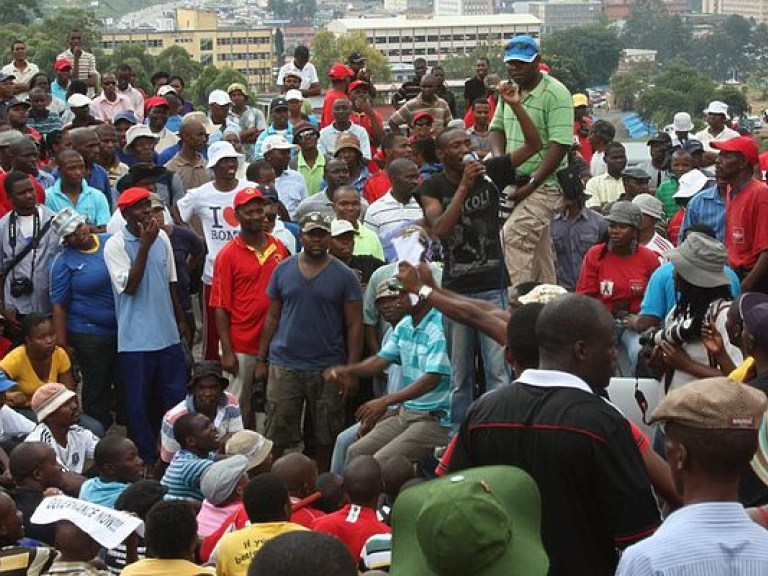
{"x": 527, "y": 248}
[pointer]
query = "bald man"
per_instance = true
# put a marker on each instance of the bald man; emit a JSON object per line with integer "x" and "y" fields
{"x": 427, "y": 101}
{"x": 188, "y": 162}
{"x": 86, "y": 142}
{"x": 357, "y": 521}
{"x": 300, "y": 476}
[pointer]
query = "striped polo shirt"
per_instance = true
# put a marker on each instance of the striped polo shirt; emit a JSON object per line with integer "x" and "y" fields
{"x": 551, "y": 109}
{"x": 421, "y": 349}
{"x": 182, "y": 477}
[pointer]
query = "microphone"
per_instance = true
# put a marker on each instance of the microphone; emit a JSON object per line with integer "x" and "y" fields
{"x": 473, "y": 157}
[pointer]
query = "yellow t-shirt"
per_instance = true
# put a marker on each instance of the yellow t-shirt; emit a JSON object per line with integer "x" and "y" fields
{"x": 164, "y": 567}
{"x": 740, "y": 372}
{"x": 235, "y": 551}
{"x": 16, "y": 364}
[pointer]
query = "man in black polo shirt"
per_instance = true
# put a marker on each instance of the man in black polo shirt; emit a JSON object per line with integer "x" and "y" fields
{"x": 595, "y": 493}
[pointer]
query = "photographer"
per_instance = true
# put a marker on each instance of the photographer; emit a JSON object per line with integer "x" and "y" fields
{"x": 703, "y": 303}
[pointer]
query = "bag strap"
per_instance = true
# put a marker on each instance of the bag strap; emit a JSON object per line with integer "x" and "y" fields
{"x": 35, "y": 242}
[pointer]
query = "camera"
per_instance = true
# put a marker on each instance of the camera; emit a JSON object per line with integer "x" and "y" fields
{"x": 21, "y": 287}
{"x": 676, "y": 333}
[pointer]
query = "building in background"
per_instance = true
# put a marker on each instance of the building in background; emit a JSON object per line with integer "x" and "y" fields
{"x": 463, "y": 7}
{"x": 561, "y": 14}
{"x": 621, "y": 9}
{"x": 402, "y": 40}
{"x": 246, "y": 49}
{"x": 749, "y": 9}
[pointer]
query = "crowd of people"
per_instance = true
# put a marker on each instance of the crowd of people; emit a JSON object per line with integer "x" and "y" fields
{"x": 330, "y": 343}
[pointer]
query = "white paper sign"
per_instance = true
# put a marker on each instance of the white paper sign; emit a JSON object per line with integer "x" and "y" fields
{"x": 108, "y": 527}
{"x": 408, "y": 248}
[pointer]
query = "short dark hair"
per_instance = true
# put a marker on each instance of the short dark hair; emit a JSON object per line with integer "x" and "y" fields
{"x": 25, "y": 458}
{"x": 718, "y": 453}
{"x": 123, "y": 67}
{"x": 14, "y": 176}
{"x": 159, "y": 74}
{"x": 179, "y": 78}
{"x": 171, "y": 530}
{"x": 484, "y": 59}
{"x": 184, "y": 427}
{"x": 388, "y": 142}
{"x": 521, "y": 334}
{"x": 33, "y": 320}
{"x": 108, "y": 449}
{"x": 265, "y": 499}
{"x": 419, "y": 61}
{"x": 301, "y": 52}
{"x": 614, "y": 146}
{"x": 252, "y": 172}
{"x": 302, "y": 554}
{"x": 481, "y": 100}
{"x": 332, "y": 492}
{"x": 13, "y": 44}
{"x": 426, "y": 148}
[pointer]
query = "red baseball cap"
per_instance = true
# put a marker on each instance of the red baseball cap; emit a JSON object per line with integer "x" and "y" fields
{"x": 154, "y": 101}
{"x": 419, "y": 115}
{"x": 132, "y": 196}
{"x": 62, "y": 63}
{"x": 246, "y": 195}
{"x": 359, "y": 84}
{"x": 340, "y": 71}
{"x": 744, "y": 145}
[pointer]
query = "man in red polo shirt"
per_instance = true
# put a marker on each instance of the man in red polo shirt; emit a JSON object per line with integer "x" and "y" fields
{"x": 340, "y": 76}
{"x": 746, "y": 211}
{"x": 357, "y": 521}
{"x": 363, "y": 114}
{"x": 241, "y": 273}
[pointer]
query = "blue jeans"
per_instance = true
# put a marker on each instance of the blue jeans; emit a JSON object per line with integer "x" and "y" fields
{"x": 464, "y": 343}
{"x": 344, "y": 440}
{"x": 629, "y": 343}
{"x": 154, "y": 383}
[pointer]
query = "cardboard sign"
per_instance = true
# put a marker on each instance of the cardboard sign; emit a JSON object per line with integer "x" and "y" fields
{"x": 108, "y": 527}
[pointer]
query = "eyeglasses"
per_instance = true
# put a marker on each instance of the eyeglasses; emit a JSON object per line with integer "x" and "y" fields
{"x": 307, "y": 135}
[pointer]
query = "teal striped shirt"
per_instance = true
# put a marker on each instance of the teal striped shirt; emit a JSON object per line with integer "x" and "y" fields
{"x": 182, "y": 477}
{"x": 422, "y": 349}
{"x": 550, "y": 107}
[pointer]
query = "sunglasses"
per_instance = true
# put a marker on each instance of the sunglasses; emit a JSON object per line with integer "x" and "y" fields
{"x": 423, "y": 123}
{"x": 307, "y": 135}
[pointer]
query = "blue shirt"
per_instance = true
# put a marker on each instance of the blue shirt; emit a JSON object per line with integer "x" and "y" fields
{"x": 287, "y": 133}
{"x": 660, "y": 294}
{"x": 571, "y": 240}
{"x": 421, "y": 349}
{"x": 99, "y": 179}
{"x": 291, "y": 189}
{"x": 182, "y": 477}
{"x": 706, "y": 207}
{"x": 103, "y": 493}
{"x": 311, "y": 333}
{"x": 91, "y": 203}
{"x": 80, "y": 282}
{"x": 707, "y": 539}
{"x": 45, "y": 179}
{"x": 145, "y": 320}
{"x": 58, "y": 90}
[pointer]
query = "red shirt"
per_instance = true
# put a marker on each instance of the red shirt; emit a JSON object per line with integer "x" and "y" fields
{"x": 5, "y": 204}
{"x": 674, "y": 224}
{"x": 352, "y": 525}
{"x": 614, "y": 279}
{"x": 364, "y": 120}
{"x": 746, "y": 224}
{"x": 377, "y": 185}
{"x": 469, "y": 117}
{"x": 240, "y": 278}
{"x": 330, "y": 97}
{"x": 586, "y": 146}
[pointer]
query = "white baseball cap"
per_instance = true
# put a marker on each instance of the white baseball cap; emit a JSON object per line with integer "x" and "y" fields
{"x": 293, "y": 95}
{"x": 276, "y": 142}
{"x": 166, "y": 89}
{"x": 339, "y": 227}
{"x": 138, "y": 131}
{"x": 691, "y": 183}
{"x": 219, "y": 97}
{"x": 78, "y": 100}
{"x": 717, "y": 107}
{"x": 682, "y": 122}
{"x": 222, "y": 149}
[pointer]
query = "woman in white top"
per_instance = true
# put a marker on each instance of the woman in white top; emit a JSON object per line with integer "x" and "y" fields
{"x": 703, "y": 301}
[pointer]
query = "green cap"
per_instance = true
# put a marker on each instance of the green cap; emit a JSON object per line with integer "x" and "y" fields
{"x": 478, "y": 522}
{"x": 314, "y": 221}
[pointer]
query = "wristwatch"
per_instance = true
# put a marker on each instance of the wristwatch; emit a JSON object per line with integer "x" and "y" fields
{"x": 424, "y": 292}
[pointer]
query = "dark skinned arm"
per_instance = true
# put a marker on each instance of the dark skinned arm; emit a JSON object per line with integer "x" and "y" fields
{"x": 60, "y": 325}
{"x": 443, "y": 221}
{"x": 267, "y": 333}
{"x": 549, "y": 165}
{"x": 353, "y": 322}
{"x": 759, "y": 270}
{"x": 374, "y": 409}
{"x": 531, "y": 138}
{"x": 313, "y": 90}
{"x": 68, "y": 379}
{"x": 228, "y": 358}
{"x": 178, "y": 311}
{"x": 372, "y": 339}
{"x": 137, "y": 269}
{"x": 498, "y": 142}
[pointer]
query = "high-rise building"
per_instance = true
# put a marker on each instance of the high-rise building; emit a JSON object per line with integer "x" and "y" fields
{"x": 621, "y": 9}
{"x": 560, "y": 14}
{"x": 463, "y": 7}
{"x": 247, "y": 50}
{"x": 749, "y": 9}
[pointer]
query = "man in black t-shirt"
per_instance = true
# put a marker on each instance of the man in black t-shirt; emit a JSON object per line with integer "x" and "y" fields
{"x": 462, "y": 204}
{"x": 474, "y": 88}
{"x": 595, "y": 494}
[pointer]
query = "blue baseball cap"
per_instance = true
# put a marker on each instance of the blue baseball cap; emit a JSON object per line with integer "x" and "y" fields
{"x": 523, "y": 48}
{"x": 127, "y": 115}
{"x": 5, "y": 382}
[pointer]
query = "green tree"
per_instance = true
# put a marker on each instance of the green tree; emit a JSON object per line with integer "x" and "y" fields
{"x": 327, "y": 48}
{"x": 460, "y": 67}
{"x": 678, "y": 89}
{"x": 176, "y": 60}
{"x": 15, "y": 12}
{"x": 652, "y": 26}
{"x": 659, "y": 105}
{"x": 278, "y": 8}
{"x": 212, "y": 78}
{"x": 597, "y": 44}
{"x": 625, "y": 87}
{"x": 302, "y": 10}
{"x": 571, "y": 70}
{"x": 735, "y": 98}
